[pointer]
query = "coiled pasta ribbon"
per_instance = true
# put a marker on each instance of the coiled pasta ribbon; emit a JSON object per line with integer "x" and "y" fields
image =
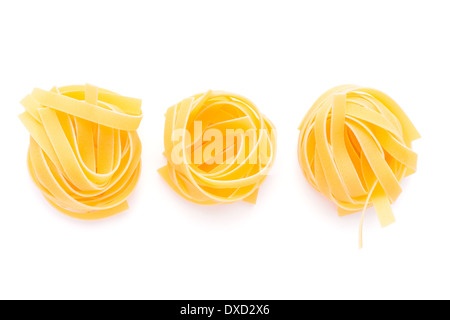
{"x": 85, "y": 154}
{"x": 355, "y": 148}
{"x": 219, "y": 148}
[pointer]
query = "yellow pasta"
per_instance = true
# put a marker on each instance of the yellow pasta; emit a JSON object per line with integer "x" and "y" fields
{"x": 355, "y": 148}
{"x": 219, "y": 148}
{"x": 85, "y": 154}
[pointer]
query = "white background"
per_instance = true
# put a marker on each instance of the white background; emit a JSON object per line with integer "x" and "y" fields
{"x": 280, "y": 54}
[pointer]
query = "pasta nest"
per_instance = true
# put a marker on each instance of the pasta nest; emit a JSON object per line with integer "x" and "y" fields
{"x": 219, "y": 148}
{"x": 355, "y": 148}
{"x": 84, "y": 154}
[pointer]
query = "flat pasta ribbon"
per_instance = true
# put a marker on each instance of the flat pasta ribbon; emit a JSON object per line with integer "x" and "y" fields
{"x": 355, "y": 148}
{"x": 85, "y": 154}
{"x": 219, "y": 148}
